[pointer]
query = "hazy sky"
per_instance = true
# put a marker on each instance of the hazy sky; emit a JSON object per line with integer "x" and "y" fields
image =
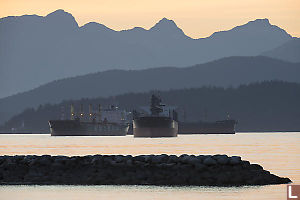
{"x": 197, "y": 18}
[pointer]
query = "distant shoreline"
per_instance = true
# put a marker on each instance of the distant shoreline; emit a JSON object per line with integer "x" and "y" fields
{"x": 179, "y": 134}
{"x": 23, "y": 133}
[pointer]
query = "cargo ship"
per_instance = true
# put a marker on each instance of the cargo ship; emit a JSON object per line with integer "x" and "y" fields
{"x": 157, "y": 124}
{"x": 218, "y": 127}
{"x": 108, "y": 122}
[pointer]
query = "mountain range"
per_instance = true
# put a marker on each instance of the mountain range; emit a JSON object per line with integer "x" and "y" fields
{"x": 35, "y": 50}
{"x": 225, "y": 72}
{"x": 289, "y": 51}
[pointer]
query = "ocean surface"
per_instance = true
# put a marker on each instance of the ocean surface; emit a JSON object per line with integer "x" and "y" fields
{"x": 278, "y": 153}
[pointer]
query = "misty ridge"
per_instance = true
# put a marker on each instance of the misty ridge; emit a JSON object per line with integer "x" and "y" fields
{"x": 264, "y": 106}
{"x": 226, "y": 72}
{"x": 35, "y": 50}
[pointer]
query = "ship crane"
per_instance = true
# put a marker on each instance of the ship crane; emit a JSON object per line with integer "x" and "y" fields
{"x": 72, "y": 112}
{"x": 81, "y": 111}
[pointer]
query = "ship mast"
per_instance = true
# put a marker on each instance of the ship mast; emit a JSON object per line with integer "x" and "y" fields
{"x": 99, "y": 112}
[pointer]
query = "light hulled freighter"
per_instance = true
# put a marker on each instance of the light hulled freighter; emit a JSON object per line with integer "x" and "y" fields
{"x": 107, "y": 122}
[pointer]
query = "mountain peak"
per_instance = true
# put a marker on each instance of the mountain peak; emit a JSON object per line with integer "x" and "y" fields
{"x": 61, "y": 17}
{"x": 165, "y": 23}
{"x": 257, "y": 26}
{"x": 94, "y": 26}
{"x": 59, "y": 12}
{"x": 264, "y": 26}
{"x": 166, "y": 20}
{"x": 167, "y": 27}
{"x": 263, "y": 22}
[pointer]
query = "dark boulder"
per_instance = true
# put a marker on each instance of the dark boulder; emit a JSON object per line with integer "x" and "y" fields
{"x": 235, "y": 160}
{"x": 209, "y": 161}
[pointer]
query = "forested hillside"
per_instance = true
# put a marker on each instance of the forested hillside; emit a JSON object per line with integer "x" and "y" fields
{"x": 265, "y": 106}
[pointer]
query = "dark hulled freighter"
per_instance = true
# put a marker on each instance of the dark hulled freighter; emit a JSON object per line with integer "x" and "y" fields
{"x": 218, "y": 127}
{"x": 156, "y": 124}
{"x": 109, "y": 122}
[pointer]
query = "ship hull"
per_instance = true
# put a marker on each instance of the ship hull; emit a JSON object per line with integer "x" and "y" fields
{"x": 155, "y": 127}
{"x": 218, "y": 127}
{"x": 77, "y": 128}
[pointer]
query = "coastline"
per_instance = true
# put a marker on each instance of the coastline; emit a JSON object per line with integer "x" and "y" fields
{"x": 17, "y": 133}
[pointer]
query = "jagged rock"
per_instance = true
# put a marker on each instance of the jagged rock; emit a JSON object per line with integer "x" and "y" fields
{"x": 173, "y": 159}
{"x": 147, "y": 158}
{"x": 200, "y": 167}
{"x": 200, "y": 158}
{"x": 222, "y": 159}
{"x": 96, "y": 160}
{"x": 209, "y": 161}
{"x": 129, "y": 162}
{"x": 256, "y": 167}
{"x": 234, "y": 160}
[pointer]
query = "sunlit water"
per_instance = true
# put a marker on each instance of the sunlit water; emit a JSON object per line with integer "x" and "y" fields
{"x": 276, "y": 152}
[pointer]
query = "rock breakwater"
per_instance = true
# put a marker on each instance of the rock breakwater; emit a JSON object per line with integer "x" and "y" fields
{"x": 210, "y": 170}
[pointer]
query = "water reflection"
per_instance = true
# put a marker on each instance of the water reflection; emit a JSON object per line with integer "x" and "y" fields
{"x": 140, "y": 192}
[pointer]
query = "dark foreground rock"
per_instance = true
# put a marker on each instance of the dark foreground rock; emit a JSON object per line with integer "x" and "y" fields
{"x": 217, "y": 170}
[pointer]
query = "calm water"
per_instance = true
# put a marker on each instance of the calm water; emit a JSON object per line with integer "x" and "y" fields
{"x": 276, "y": 152}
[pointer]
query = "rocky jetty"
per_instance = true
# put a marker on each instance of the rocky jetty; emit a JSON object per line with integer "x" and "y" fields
{"x": 215, "y": 170}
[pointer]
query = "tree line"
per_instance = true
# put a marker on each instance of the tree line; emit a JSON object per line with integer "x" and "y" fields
{"x": 263, "y": 106}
